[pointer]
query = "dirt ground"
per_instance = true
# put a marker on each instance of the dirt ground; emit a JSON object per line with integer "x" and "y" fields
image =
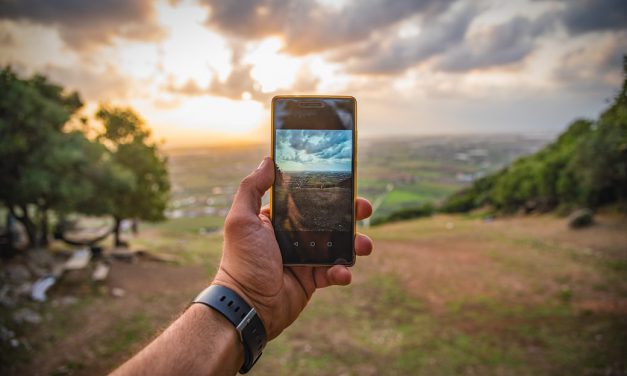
{"x": 99, "y": 331}
{"x": 440, "y": 296}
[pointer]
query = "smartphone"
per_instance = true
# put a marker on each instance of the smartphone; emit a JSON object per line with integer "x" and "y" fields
{"x": 312, "y": 201}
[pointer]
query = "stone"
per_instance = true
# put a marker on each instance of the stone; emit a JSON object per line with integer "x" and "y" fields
{"x": 79, "y": 259}
{"x": 117, "y": 292}
{"x": 100, "y": 272}
{"x": 27, "y": 315}
{"x": 17, "y": 273}
{"x": 581, "y": 218}
{"x": 38, "y": 293}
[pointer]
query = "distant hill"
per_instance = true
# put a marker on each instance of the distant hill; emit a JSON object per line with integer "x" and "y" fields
{"x": 585, "y": 167}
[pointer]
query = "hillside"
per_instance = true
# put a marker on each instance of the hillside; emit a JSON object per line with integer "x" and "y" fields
{"x": 446, "y": 295}
{"x": 586, "y": 166}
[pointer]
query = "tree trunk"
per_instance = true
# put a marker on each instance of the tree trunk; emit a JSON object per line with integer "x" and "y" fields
{"x": 29, "y": 225}
{"x": 116, "y": 232}
{"x": 43, "y": 230}
{"x": 135, "y": 226}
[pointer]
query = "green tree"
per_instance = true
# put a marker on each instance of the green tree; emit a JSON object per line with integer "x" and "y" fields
{"x": 131, "y": 147}
{"x": 601, "y": 161}
{"x": 585, "y": 166}
{"x": 33, "y": 113}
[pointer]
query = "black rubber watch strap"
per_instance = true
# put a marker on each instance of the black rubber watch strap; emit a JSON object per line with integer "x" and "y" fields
{"x": 244, "y": 317}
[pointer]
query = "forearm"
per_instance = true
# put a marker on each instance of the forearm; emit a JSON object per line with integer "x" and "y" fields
{"x": 200, "y": 342}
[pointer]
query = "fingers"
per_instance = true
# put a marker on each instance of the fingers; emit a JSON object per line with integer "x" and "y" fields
{"x": 363, "y": 209}
{"x": 248, "y": 197}
{"x": 325, "y": 276}
{"x": 363, "y": 245}
{"x": 339, "y": 275}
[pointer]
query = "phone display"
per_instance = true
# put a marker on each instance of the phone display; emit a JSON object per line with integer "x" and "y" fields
{"x": 313, "y": 196}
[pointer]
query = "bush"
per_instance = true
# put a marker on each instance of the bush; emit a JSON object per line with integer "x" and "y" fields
{"x": 424, "y": 210}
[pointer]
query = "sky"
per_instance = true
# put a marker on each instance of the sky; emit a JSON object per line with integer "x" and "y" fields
{"x": 203, "y": 72}
{"x": 314, "y": 150}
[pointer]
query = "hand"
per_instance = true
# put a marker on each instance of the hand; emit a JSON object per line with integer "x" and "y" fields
{"x": 251, "y": 261}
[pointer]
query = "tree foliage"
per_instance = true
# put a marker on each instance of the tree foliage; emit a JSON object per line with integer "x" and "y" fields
{"x": 585, "y": 166}
{"x": 44, "y": 166}
{"x": 131, "y": 149}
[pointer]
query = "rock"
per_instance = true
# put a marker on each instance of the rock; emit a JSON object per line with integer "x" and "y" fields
{"x": 123, "y": 254}
{"x": 38, "y": 293}
{"x": 27, "y": 315}
{"x": 79, "y": 259}
{"x": 40, "y": 257}
{"x": 117, "y": 292}
{"x": 101, "y": 272}
{"x": 581, "y": 218}
{"x": 17, "y": 273}
{"x": 64, "y": 301}
{"x": 5, "y": 299}
{"x": 57, "y": 269}
{"x": 6, "y": 334}
{"x": 23, "y": 289}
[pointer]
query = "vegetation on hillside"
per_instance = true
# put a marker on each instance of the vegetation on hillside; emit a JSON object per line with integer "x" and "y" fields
{"x": 53, "y": 161}
{"x": 585, "y": 167}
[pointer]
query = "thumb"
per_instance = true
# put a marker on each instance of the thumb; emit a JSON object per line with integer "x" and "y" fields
{"x": 248, "y": 197}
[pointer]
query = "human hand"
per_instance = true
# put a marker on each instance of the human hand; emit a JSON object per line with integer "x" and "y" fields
{"x": 251, "y": 261}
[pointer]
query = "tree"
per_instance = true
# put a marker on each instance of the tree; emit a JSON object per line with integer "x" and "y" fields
{"x": 33, "y": 113}
{"x": 132, "y": 149}
{"x": 601, "y": 163}
{"x": 585, "y": 166}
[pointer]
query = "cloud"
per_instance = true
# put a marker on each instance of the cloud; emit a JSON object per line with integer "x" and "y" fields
{"x": 84, "y": 23}
{"x": 314, "y": 149}
{"x": 308, "y": 26}
{"x": 502, "y": 44}
{"x": 105, "y": 84}
{"x": 582, "y": 16}
{"x": 239, "y": 82}
{"x": 396, "y": 54}
{"x": 594, "y": 67}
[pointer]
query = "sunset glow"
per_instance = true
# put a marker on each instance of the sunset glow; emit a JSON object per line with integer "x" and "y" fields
{"x": 203, "y": 72}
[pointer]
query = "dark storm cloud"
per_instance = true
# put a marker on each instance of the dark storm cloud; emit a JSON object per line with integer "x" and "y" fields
{"x": 581, "y": 16}
{"x": 398, "y": 54}
{"x": 502, "y": 44}
{"x": 446, "y": 38}
{"x": 314, "y": 146}
{"x": 307, "y": 26}
{"x": 82, "y": 23}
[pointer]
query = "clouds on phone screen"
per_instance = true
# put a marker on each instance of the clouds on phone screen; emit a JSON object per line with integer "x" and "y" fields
{"x": 314, "y": 150}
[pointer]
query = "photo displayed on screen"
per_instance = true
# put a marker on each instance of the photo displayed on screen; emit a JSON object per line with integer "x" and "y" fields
{"x": 313, "y": 186}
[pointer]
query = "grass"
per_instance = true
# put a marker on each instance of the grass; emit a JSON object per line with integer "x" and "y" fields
{"x": 446, "y": 295}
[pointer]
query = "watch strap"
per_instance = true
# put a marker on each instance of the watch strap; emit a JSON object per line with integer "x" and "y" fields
{"x": 247, "y": 323}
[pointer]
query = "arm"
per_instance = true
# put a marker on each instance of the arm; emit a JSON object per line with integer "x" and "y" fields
{"x": 201, "y": 341}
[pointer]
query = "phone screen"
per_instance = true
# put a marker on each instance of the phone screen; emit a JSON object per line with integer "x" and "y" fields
{"x": 313, "y": 196}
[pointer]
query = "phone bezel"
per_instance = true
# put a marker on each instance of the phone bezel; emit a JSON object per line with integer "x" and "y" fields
{"x": 354, "y": 168}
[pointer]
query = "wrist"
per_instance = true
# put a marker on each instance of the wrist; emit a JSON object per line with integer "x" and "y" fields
{"x": 242, "y": 316}
{"x": 223, "y": 278}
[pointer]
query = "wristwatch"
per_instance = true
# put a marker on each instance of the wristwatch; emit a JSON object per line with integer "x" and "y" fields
{"x": 249, "y": 327}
